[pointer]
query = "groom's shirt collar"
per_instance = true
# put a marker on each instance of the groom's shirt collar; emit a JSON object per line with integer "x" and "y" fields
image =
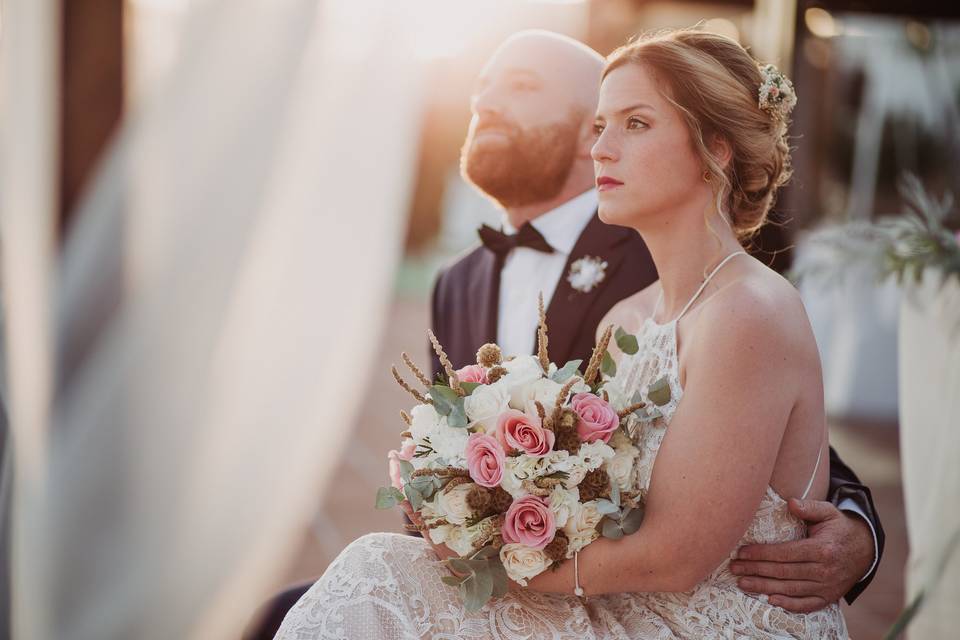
{"x": 562, "y": 226}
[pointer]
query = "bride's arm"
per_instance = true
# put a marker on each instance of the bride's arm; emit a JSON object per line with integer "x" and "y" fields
{"x": 743, "y": 376}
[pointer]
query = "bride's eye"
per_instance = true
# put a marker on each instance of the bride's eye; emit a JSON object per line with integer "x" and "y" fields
{"x": 597, "y": 129}
{"x": 634, "y": 122}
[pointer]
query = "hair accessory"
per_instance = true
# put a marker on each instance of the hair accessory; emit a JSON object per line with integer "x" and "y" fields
{"x": 776, "y": 95}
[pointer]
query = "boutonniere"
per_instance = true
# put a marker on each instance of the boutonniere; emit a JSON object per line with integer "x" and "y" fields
{"x": 586, "y": 273}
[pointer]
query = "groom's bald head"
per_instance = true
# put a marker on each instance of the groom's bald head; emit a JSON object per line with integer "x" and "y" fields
{"x": 532, "y": 107}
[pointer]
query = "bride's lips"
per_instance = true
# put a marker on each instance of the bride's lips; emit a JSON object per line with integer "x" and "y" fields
{"x": 606, "y": 183}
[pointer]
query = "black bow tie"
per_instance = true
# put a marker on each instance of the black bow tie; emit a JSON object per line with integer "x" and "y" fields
{"x": 502, "y": 244}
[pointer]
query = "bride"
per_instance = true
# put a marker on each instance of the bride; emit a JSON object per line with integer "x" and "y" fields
{"x": 691, "y": 148}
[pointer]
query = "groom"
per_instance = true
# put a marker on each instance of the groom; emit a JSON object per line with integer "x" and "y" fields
{"x": 528, "y": 149}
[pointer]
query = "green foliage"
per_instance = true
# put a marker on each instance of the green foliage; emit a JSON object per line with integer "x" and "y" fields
{"x": 626, "y": 342}
{"x": 659, "y": 392}
{"x": 388, "y": 497}
{"x": 608, "y": 367}
{"x": 449, "y": 404}
{"x": 563, "y": 374}
{"x": 484, "y": 577}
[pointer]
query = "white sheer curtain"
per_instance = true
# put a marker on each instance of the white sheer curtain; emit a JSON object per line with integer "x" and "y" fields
{"x": 216, "y": 312}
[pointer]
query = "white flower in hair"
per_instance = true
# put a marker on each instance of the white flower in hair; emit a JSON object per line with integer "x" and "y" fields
{"x": 776, "y": 95}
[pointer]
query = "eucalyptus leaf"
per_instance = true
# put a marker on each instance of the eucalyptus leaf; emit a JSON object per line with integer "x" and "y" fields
{"x": 501, "y": 582}
{"x": 458, "y": 416}
{"x": 615, "y": 493}
{"x": 611, "y": 529}
{"x": 405, "y": 470}
{"x": 414, "y": 496}
{"x": 485, "y": 553}
{"x": 460, "y": 565}
{"x": 608, "y": 367}
{"x": 605, "y": 507}
{"x": 475, "y": 591}
{"x": 563, "y": 374}
{"x": 659, "y": 392}
{"x": 469, "y": 387}
{"x": 631, "y": 520}
{"x": 444, "y": 398}
{"x": 453, "y": 581}
{"x": 626, "y": 342}
{"x": 388, "y": 497}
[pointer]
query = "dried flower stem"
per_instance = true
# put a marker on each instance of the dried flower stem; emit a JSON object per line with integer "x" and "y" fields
{"x": 541, "y": 412}
{"x": 561, "y": 398}
{"x": 447, "y": 367}
{"x": 424, "y": 380}
{"x": 406, "y": 418}
{"x": 405, "y": 434}
{"x": 597, "y": 358}
{"x": 403, "y": 383}
{"x": 542, "y": 336}
{"x": 628, "y": 410}
{"x": 444, "y": 472}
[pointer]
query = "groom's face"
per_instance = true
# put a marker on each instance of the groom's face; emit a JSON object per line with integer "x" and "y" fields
{"x": 524, "y": 132}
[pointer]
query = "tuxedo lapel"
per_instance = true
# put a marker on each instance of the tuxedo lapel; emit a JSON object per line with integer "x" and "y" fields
{"x": 569, "y": 306}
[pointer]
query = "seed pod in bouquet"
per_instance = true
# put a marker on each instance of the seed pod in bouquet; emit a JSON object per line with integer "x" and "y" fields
{"x": 496, "y": 373}
{"x": 500, "y": 500}
{"x": 479, "y": 501}
{"x": 557, "y": 549}
{"x": 568, "y": 440}
{"x": 594, "y": 485}
{"x": 489, "y": 355}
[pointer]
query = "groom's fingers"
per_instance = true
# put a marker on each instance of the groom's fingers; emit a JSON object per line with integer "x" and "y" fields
{"x": 792, "y": 588}
{"x": 779, "y": 570}
{"x": 798, "y": 605}
{"x": 812, "y": 510}
{"x": 805, "y": 550}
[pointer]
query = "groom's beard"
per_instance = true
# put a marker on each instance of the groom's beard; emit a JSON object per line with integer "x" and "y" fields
{"x": 532, "y": 167}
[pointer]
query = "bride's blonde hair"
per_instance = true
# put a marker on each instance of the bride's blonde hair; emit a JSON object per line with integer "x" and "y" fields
{"x": 714, "y": 83}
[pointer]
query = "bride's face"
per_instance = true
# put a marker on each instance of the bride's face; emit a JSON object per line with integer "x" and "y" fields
{"x": 645, "y": 163}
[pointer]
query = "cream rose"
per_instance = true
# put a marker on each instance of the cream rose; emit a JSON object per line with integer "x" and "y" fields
{"x": 452, "y": 504}
{"x": 485, "y": 404}
{"x": 522, "y": 371}
{"x": 523, "y": 563}
{"x": 620, "y": 466}
{"x": 515, "y": 471}
{"x": 564, "y": 503}
{"x": 581, "y": 528}
{"x": 543, "y": 391}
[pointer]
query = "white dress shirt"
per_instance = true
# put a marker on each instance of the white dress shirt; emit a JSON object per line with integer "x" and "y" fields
{"x": 527, "y": 272}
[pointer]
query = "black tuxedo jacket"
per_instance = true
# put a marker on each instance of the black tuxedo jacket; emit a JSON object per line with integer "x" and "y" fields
{"x": 464, "y": 317}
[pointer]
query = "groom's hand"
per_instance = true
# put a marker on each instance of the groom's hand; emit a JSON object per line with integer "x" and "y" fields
{"x": 807, "y": 575}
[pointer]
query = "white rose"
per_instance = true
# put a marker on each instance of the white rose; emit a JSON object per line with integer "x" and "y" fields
{"x": 425, "y": 421}
{"x": 617, "y": 398}
{"x": 515, "y": 471}
{"x": 620, "y": 466}
{"x": 485, "y": 405}
{"x": 521, "y": 372}
{"x": 564, "y": 503}
{"x": 581, "y": 527}
{"x": 458, "y": 539}
{"x": 593, "y": 454}
{"x": 452, "y": 504}
{"x": 450, "y": 443}
{"x": 543, "y": 391}
{"x": 522, "y": 562}
{"x": 576, "y": 475}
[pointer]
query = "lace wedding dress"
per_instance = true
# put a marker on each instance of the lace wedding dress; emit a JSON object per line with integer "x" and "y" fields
{"x": 386, "y": 586}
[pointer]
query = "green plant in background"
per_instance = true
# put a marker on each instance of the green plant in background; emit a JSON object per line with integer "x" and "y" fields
{"x": 902, "y": 246}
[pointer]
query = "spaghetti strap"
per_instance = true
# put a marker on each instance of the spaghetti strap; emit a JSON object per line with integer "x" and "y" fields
{"x": 816, "y": 468}
{"x": 706, "y": 281}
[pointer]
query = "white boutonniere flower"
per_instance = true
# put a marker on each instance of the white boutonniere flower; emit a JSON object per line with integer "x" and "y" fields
{"x": 586, "y": 273}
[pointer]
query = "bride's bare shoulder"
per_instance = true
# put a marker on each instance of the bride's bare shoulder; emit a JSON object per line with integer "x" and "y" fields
{"x": 630, "y": 312}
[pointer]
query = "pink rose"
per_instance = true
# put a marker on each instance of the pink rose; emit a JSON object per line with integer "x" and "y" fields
{"x": 598, "y": 420}
{"x": 485, "y": 459}
{"x": 530, "y": 522}
{"x": 394, "y": 457}
{"x": 518, "y": 431}
{"x": 472, "y": 373}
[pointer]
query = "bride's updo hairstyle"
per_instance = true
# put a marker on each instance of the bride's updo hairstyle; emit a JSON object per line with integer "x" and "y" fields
{"x": 716, "y": 86}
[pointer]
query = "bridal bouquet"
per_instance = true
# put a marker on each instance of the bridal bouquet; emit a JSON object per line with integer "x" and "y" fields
{"x": 514, "y": 464}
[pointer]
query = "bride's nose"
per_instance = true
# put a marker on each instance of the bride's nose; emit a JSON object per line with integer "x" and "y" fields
{"x": 604, "y": 149}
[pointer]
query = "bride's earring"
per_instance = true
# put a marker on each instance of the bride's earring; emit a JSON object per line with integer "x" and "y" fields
{"x": 707, "y": 176}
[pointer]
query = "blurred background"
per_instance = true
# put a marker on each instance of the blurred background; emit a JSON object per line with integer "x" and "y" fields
{"x": 108, "y": 93}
